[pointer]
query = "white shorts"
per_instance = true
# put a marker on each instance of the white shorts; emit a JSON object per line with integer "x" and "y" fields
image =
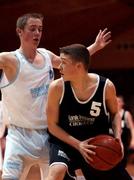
{"x": 25, "y": 148}
{"x": 1, "y": 157}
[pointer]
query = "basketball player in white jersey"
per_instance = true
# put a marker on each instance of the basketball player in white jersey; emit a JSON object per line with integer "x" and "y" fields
{"x": 3, "y": 133}
{"x": 27, "y": 73}
{"x": 1, "y": 136}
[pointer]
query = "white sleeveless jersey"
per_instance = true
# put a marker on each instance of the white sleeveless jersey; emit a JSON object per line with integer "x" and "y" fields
{"x": 25, "y": 98}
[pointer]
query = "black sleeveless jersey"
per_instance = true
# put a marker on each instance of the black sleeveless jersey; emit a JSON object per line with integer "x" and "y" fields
{"x": 126, "y": 133}
{"x": 83, "y": 119}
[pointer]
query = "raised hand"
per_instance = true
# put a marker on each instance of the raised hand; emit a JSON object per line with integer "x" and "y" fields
{"x": 103, "y": 38}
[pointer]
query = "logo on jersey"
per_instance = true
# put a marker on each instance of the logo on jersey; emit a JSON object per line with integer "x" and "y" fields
{"x": 43, "y": 89}
{"x": 81, "y": 120}
{"x": 39, "y": 91}
{"x": 63, "y": 154}
{"x": 51, "y": 73}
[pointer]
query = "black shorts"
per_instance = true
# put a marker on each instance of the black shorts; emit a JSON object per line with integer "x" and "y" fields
{"x": 74, "y": 160}
{"x": 58, "y": 156}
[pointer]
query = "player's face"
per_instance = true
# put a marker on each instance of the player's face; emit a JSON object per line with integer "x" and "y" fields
{"x": 68, "y": 67}
{"x": 120, "y": 102}
{"x": 32, "y": 32}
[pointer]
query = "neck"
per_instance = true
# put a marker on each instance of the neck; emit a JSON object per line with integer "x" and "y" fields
{"x": 81, "y": 83}
{"x": 29, "y": 54}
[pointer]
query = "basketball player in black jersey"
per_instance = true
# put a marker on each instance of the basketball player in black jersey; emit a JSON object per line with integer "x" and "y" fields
{"x": 78, "y": 108}
{"x": 127, "y": 128}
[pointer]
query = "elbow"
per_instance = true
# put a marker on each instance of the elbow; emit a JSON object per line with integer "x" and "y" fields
{"x": 51, "y": 129}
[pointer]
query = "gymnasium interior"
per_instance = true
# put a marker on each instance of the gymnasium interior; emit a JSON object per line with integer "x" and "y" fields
{"x": 79, "y": 21}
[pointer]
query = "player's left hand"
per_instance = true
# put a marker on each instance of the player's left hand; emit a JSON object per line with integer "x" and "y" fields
{"x": 87, "y": 150}
{"x": 121, "y": 144}
{"x": 103, "y": 38}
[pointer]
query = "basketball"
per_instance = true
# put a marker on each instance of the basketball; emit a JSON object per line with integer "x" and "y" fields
{"x": 108, "y": 152}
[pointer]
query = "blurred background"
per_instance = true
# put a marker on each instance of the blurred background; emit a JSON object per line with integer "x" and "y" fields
{"x": 79, "y": 21}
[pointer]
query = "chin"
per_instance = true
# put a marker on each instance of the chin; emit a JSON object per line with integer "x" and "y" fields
{"x": 65, "y": 79}
{"x": 36, "y": 43}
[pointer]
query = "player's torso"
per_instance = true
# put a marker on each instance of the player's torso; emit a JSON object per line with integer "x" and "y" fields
{"x": 84, "y": 119}
{"x": 29, "y": 92}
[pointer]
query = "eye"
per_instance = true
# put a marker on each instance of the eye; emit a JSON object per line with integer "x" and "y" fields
{"x": 40, "y": 29}
{"x": 32, "y": 29}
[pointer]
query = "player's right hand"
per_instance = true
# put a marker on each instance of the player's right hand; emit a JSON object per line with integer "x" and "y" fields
{"x": 87, "y": 150}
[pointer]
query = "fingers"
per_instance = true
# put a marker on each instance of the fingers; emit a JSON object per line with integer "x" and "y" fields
{"x": 103, "y": 38}
{"x": 106, "y": 35}
{"x": 107, "y": 42}
{"x": 88, "y": 159}
{"x": 104, "y": 31}
{"x": 117, "y": 139}
{"x": 89, "y": 153}
{"x": 89, "y": 156}
{"x": 100, "y": 31}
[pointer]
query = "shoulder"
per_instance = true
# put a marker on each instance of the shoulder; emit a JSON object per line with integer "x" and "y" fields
{"x": 53, "y": 57}
{"x": 8, "y": 59}
{"x": 97, "y": 78}
{"x": 93, "y": 76}
{"x": 55, "y": 90}
{"x": 109, "y": 84}
{"x": 128, "y": 113}
{"x": 57, "y": 84}
{"x": 110, "y": 91}
{"x": 45, "y": 51}
{"x": 7, "y": 55}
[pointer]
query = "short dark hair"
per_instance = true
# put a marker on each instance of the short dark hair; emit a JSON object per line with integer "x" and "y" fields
{"x": 78, "y": 52}
{"x": 22, "y": 20}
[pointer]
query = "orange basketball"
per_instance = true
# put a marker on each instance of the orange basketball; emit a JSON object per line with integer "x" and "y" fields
{"x": 108, "y": 152}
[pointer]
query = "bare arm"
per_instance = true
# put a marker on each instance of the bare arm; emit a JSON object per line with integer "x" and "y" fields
{"x": 2, "y": 129}
{"x": 9, "y": 65}
{"x": 3, "y": 60}
{"x": 130, "y": 125}
{"x": 7, "y": 60}
{"x": 111, "y": 103}
{"x": 103, "y": 38}
{"x": 55, "y": 91}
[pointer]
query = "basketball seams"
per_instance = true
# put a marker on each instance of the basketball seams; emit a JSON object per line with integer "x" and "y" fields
{"x": 101, "y": 158}
{"x": 108, "y": 160}
{"x": 108, "y": 152}
{"x": 107, "y": 147}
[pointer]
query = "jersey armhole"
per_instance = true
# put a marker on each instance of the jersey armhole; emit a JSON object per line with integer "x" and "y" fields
{"x": 63, "y": 90}
{"x": 104, "y": 98}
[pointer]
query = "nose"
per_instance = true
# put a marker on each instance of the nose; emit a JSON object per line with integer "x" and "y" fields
{"x": 37, "y": 31}
{"x": 60, "y": 66}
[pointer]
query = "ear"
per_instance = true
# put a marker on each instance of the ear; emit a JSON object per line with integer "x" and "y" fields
{"x": 18, "y": 31}
{"x": 79, "y": 65}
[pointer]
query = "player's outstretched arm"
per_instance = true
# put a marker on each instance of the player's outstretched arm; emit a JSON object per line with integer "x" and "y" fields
{"x": 103, "y": 38}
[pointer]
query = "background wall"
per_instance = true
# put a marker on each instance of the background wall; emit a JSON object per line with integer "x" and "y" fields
{"x": 79, "y": 21}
